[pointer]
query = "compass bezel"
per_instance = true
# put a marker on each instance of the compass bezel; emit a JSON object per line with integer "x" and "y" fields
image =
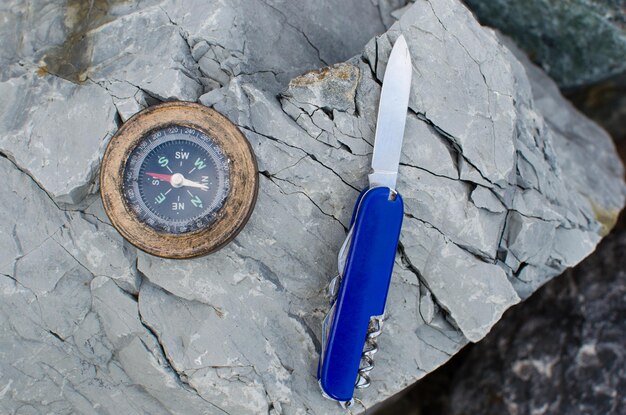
{"x": 230, "y": 218}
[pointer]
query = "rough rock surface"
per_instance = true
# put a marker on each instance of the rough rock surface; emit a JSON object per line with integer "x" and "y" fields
{"x": 565, "y": 356}
{"x": 578, "y": 42}
{"x": 505, "y": 186}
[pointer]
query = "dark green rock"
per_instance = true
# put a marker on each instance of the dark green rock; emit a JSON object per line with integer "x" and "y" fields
{"x": 576, "y": 41}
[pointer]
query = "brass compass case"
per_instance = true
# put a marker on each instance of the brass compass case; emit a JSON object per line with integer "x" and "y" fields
{"x": 226, "y": 221}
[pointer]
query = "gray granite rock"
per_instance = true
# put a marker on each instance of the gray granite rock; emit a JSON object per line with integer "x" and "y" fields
{"x": 502, "y": 193}
{"x": 55, "y": 355}
{"x": 56, "y": 131}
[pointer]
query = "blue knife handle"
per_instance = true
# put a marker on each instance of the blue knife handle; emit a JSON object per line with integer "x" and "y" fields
{"x": 376, "y": 224}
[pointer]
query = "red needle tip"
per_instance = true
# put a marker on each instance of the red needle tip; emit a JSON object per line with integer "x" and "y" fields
{"x": 164, "y": 177}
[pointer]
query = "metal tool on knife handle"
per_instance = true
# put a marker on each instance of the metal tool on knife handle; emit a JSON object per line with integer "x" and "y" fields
{"x": 367, "y": 256}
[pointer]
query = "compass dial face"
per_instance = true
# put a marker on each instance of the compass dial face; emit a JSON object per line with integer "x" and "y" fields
{"x": 176, "y": 180}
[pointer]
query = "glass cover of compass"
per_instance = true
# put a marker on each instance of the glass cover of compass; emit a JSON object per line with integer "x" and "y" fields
{"x": 179, "y": 180}
{"x": 176, "y": 180}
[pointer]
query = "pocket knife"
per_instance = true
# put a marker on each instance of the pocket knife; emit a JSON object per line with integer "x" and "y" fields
{"x": 367, "y": 256}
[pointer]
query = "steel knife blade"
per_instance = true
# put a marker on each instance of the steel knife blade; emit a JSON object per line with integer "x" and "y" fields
{"x": 394, "y": 101}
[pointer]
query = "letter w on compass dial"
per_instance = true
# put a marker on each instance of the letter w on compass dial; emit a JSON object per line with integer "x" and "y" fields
{"x": 176, "y": 179}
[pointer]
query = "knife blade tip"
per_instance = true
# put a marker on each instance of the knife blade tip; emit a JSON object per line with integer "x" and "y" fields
{"x": 402, "y": 48}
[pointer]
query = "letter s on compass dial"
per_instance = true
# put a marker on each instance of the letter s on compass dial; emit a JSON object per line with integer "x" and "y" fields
{"x": 176, "y": 180}
{"x": 179, "y": 180}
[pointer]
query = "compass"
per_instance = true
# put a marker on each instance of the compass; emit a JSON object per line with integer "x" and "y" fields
{"x": 179, "y": 180}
